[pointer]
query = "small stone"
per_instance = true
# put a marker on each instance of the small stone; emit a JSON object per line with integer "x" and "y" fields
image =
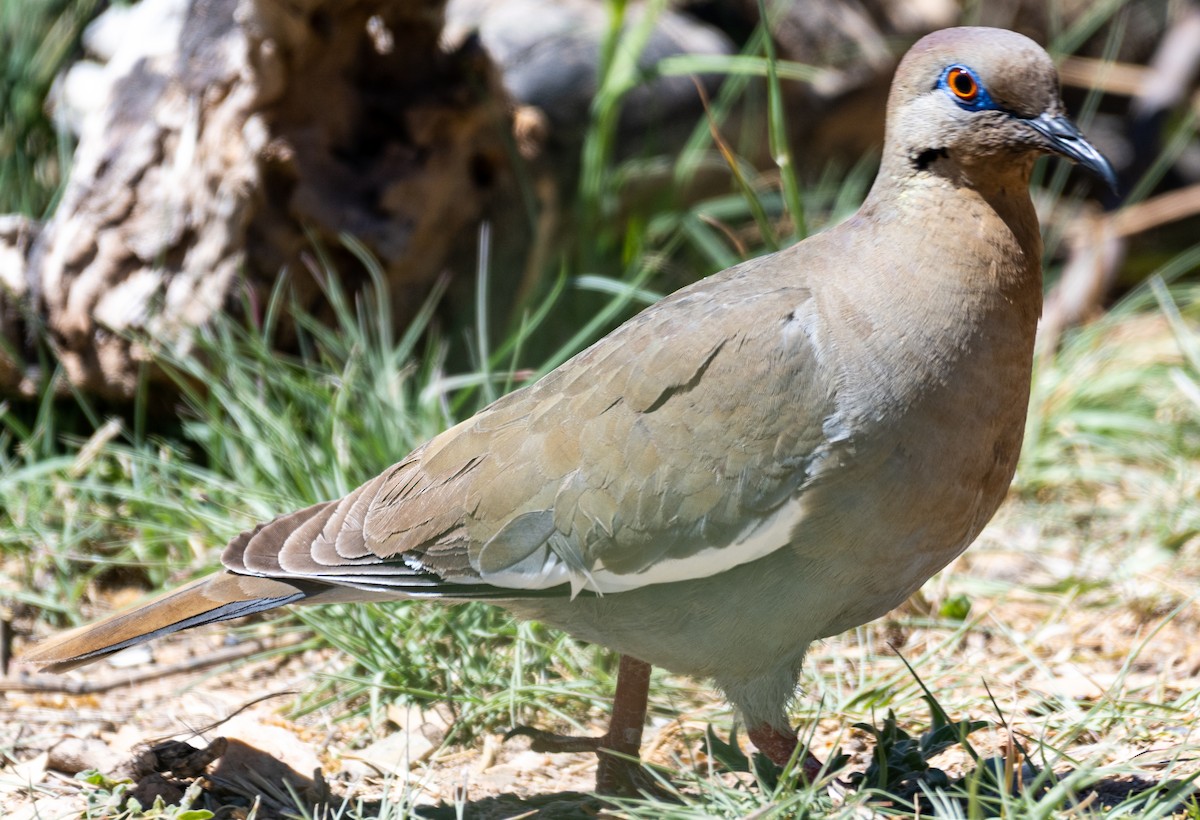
{"x": 73, "y": 755}
{"x": 391, "y": 755}
{"x": 528, "y": 761}
{"x": 140, "y": 655}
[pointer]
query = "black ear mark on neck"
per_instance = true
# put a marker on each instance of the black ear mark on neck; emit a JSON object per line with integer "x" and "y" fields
{"x": 929, "y": 156}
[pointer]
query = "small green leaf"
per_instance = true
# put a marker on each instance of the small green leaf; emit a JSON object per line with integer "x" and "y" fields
{"x": 955, "y": 608}
{"x": 729, "y": 755}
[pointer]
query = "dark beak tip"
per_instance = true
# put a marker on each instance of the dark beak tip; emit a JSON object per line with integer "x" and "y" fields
{"x": 1099, "y": 167}
{"x": 1065, "y": 139}
{"x": 1109, "y": 175}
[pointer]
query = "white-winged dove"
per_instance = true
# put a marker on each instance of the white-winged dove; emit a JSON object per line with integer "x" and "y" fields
{"x": 777, "y": 453}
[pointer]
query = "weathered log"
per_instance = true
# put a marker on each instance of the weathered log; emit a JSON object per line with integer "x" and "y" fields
{"x": 268, "y": 128}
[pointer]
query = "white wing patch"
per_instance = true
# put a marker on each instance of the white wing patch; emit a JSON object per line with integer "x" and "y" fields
{"x": 544, "y": 569}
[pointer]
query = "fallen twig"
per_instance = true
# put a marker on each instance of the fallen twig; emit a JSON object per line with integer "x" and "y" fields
{"x": 1156, "y": 211}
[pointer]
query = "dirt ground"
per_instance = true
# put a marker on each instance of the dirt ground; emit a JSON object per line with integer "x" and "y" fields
{"x": 1105, "y": 666}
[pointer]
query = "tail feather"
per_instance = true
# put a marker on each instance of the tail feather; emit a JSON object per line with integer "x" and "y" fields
{"x": 218, "y": 597}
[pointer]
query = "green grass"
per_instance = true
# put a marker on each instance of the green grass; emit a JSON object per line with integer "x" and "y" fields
{"x": 37, "y": 38}
{"x": 1102, "y": 528}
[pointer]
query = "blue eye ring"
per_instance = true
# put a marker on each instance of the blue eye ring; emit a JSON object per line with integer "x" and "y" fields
{"x": 964, "y": 87}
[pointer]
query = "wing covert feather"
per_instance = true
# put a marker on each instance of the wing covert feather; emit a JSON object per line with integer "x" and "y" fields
{"x": 632, "y": 456}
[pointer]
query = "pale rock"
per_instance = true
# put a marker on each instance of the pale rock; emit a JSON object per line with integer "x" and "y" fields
{"x": 391, "y": 755}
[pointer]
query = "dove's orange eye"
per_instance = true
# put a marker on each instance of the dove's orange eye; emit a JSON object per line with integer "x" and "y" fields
{"x": 962, "y": 84}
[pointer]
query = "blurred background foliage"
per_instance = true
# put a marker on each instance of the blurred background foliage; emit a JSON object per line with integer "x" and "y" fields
{"x": 37, "y": 41}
